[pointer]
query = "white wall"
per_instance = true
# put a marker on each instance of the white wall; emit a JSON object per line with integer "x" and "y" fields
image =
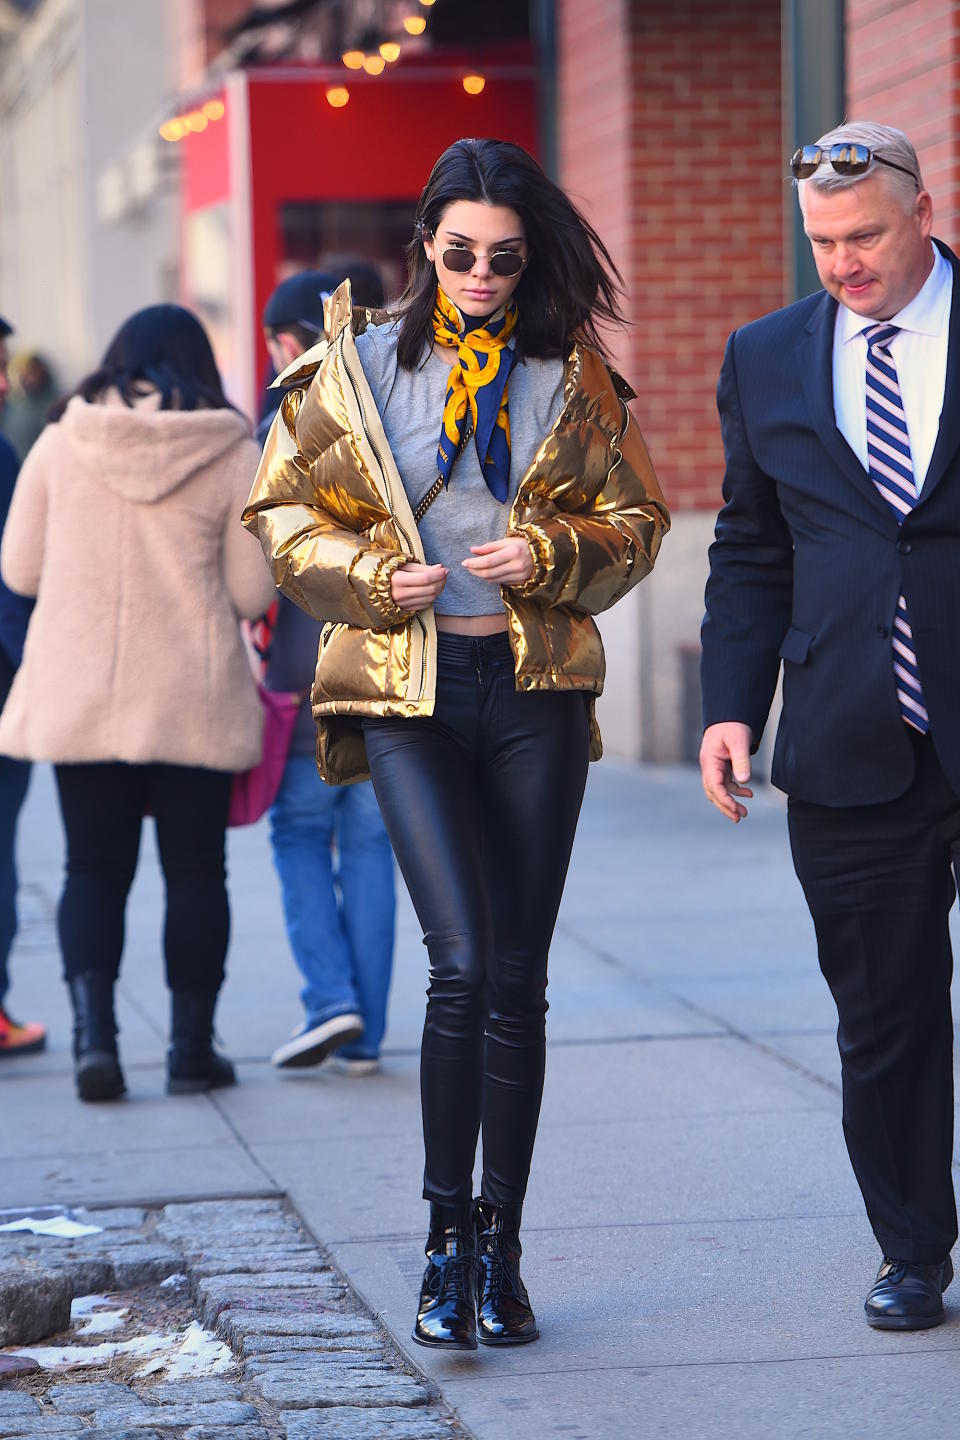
{"x": 82, "y": 82}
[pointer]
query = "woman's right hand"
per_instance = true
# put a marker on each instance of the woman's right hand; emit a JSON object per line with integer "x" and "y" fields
{"x": 415, "y": 586}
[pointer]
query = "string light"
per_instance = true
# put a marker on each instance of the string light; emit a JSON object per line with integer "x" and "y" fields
{"x": 374, "y": 64}
{"x": 474, "y": 84}
{"x": 353, "y": 59}
{"x": 414, "y": 24}
{"x": 390, "y": 51}
{"x": 192, "y": 122}
{"x": 338, "y": 96}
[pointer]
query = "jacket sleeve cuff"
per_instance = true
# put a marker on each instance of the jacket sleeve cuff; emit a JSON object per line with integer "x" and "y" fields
{"x": 541, "y": 552}
{"x": 380, "y": 593}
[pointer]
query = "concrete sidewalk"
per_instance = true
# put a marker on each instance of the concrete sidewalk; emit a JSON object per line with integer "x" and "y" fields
{"x": 694, "y": 1241}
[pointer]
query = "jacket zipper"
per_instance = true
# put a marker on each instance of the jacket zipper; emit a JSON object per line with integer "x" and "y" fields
{"x": 386, "y": 486}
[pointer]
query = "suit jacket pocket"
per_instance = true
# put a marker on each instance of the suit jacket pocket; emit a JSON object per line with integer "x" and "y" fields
{"x": 796, "y": 644}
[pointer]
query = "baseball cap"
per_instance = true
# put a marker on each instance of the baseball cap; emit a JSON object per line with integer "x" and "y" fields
{"x": 298, "y": 300}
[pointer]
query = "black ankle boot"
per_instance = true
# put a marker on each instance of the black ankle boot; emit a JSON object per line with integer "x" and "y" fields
{"x": 192, "y": 1063}
{"x": 504, "y": 1316}
{"x": 447, "y": 1313}
{"x": 96, "y": 1066}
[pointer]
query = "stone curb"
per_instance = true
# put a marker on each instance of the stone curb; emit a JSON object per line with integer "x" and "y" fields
{"x": 313, "y": 1363}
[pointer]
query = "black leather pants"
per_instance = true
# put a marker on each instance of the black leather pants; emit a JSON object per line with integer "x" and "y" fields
{"x": 481, "y": 803}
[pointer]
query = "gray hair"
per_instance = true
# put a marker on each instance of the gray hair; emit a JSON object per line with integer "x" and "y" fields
{"x": 884, "y": 141}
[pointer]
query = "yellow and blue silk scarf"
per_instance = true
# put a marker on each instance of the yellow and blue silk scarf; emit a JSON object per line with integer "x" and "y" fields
{"x": 477, "y": 387}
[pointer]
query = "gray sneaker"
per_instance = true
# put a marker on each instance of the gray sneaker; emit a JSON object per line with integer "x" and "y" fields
{"x": 357, "y": 1067}
{"x": 311, "y": 1044}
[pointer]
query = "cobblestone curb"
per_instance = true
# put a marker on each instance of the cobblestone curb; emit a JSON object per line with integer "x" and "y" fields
{"x": 311, "y": 1363}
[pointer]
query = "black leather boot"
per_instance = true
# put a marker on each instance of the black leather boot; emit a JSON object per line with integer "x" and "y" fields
{"x": 96, "y": 1065}
{"x": 192, "y": 1063}
{"x": 504, "y": 1316}
{"x": 447, "y": 1313}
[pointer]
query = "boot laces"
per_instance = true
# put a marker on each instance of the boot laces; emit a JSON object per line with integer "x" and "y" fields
{"x": 501, "y": 1275}
{"x": 450, "y": 1281}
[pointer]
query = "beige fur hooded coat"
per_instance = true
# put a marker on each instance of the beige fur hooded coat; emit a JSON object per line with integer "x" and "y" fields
{"x": 125, "y": 524}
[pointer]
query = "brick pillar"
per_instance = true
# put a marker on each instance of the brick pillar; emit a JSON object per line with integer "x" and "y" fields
{"x": 903, "y": 69}
{"x": 594, "y": 139}
{"x": 670, "y": 136}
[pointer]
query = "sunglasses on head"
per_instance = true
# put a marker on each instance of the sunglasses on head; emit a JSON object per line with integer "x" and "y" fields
{"x": 461, "y": 260}
{"x": 846, "y": 159}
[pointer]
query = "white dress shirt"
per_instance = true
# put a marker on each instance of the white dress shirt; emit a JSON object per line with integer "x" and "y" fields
{"x": 920, "y": 355}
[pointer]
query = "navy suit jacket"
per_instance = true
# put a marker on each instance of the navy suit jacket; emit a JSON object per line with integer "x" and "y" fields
{"x": 808, "y": 562}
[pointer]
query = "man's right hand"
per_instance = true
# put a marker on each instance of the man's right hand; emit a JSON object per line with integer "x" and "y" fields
{"x": 415, "y": 586}
{"x": 725, "y": 767}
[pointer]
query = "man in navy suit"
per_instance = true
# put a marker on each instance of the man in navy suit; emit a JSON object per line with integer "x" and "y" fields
{"x": 837, "y": 553}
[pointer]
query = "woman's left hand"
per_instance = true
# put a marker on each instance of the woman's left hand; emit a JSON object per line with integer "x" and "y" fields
{"x": 502, "y": 562}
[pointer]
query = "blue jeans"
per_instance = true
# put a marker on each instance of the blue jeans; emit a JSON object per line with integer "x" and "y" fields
{"x": 336, "y": 873}
{"x": 14, "y": 779}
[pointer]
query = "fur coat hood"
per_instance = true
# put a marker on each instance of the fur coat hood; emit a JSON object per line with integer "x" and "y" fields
{"x": 142, "y": 453}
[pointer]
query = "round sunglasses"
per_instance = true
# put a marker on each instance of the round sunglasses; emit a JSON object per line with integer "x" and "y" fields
{"x": 458, "y": 258}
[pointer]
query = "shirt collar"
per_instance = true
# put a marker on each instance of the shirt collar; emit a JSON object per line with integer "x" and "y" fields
{"x": 928, "y": 313}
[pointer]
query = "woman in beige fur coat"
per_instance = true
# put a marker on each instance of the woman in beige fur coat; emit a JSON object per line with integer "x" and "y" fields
{"x": 135, "y": 683}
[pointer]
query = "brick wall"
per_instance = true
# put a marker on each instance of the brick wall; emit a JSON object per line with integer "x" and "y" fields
{"x": 594, "y": 128}
{"x": 903, "y": 69}
{"x": 658, "y": 108}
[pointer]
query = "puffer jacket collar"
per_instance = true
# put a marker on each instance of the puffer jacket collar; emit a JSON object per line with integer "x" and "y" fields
{"x": 343, "y": 318}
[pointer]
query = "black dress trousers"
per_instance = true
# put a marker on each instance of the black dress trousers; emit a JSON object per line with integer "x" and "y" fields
{"x": 880, "y": 881}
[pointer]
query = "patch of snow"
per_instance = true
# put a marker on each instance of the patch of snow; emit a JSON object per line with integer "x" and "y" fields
{"x": 173, "y": 1282}
{"x": 100, "y": 1319}
{"x": 188, "y": 1354}
{"x": 59, "y": 1226}
{"x": 200, "y": 1354}
{"x": 62, "y": 1357}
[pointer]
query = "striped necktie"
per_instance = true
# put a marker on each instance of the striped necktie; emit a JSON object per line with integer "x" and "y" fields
{"x": 891, "y": 470}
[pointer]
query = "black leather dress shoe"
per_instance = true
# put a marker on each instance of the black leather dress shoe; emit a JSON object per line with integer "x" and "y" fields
{"x": 447, "y": 1312}
{"x": 908, "y": 1297}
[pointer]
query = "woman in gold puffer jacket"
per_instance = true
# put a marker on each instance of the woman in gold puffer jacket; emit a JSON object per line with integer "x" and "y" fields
{"x": 456, "y": 492}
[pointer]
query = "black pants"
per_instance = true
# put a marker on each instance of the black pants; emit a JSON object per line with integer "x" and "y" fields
{"x": 103, "y": 808}
{"x": 879, "y": 884}
{"x": 481, "y": 803}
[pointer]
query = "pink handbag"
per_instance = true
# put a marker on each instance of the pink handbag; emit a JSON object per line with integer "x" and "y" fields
{"x": 254, "y": 791}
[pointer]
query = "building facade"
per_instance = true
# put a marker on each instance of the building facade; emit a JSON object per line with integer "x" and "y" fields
{"x": 669, "y": 122}
{"x": 81, "y": 83}
{"x": 675, "y": 124}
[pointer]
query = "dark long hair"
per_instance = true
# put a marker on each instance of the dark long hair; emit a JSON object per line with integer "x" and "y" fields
{"x": 163, "y": 346}
{"x": 570, "y": 281}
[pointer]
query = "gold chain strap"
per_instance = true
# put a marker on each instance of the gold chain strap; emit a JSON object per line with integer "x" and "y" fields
{"x": 427, "y": 500}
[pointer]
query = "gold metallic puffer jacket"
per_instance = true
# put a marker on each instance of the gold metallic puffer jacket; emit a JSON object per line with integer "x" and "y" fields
{"x": 335, "y": 522}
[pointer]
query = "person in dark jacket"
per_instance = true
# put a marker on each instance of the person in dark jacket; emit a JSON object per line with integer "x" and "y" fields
{"x": 16, "y": 1038}
{"x": 329, "y": 844}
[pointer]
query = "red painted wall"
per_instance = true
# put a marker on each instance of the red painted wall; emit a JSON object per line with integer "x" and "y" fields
{"x": 381, "y": 146}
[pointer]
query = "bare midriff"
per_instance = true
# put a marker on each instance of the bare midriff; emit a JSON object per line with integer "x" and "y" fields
{"x": 472, "y": 624}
